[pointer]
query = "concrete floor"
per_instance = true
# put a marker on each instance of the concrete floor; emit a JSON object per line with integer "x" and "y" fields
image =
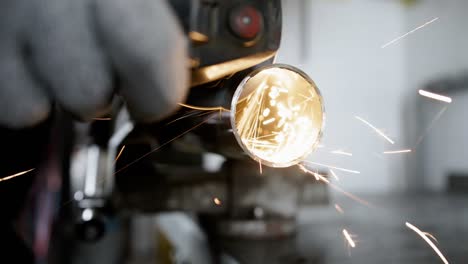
{"x": 380, "y": 233}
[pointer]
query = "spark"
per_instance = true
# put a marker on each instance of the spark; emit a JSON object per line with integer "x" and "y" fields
{"x": 317, "y": 176}
{"x": 351, "y": 196}
{"x": 397, "y": 151}
{"x": 269, "y": 121}
{"x": 339, "y": 209}
{"x": 348, "y": 238}
{"x": 408, "y": 33}
{"x": 307, "y": 98}
{"x": 341, "y": 152}
{"x": 431, "y": 236}
{"x": 428, "y": 241}
{"x": 429, "y": 127}
{"x": 333, "y": 167}
{"x": 120, "y": 153}
{"x": 334, "y": 174}
{"x": 378, "y": 131}
{"x": 15, "y": 175}
{"x": 282, "y": 90}
{"x": 195, "y": 113}
{"x": 333, "y": 186}
{"x": 217, "y": 201}
{"x": 260, "y": 165}
{"x": 213, "y": 108}
{"x": 435, "y": 96}
{"x": 102, "y": 118}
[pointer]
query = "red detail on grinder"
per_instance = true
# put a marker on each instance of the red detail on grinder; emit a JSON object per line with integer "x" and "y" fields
{"x": 246, "y": 22}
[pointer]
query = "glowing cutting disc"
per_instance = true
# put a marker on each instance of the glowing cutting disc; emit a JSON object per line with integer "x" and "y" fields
{"x": 277, "y": 115}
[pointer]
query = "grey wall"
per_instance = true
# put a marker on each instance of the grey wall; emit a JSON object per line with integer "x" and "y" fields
{"x": 440, "y": 52}
{"x": 339, "y": 44}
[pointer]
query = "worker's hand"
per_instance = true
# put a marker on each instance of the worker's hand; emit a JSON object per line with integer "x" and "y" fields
{"x": 69, "y": 51}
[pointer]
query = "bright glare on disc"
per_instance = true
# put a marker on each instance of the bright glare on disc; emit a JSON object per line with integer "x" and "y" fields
{"x": 277, "y": 115}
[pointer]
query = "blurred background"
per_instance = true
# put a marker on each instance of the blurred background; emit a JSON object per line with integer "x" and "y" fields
{"x": 339, "y": 43}
{"x": 370, "y": 59}
{"x": 346, "y": 47}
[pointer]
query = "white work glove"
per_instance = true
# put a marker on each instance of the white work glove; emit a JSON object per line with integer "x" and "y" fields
{"x": 71, "y": 51}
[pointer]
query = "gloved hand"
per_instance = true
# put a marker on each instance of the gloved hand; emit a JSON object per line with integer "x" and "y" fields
{"x": 69, "y": 51}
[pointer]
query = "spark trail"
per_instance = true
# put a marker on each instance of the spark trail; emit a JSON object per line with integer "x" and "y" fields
{"x": 435, "y": 96}
{"x": 397, "y": 151}
{"x": 332, "y": 167}
{"x": 428, "y": 241}
{"x": 339, "y": 209}
{"x": 408, "y": 33}
{"x": 378, "y": 131}
{"x": 430, "y": 126}
{"x": 160, "y": 146}
{"x": 120, "y": 153}
{"x": 322, "y": 178}
{"x": 334, "y": 175}
{"x": 341, "y": 152}
{"x": 349, "y": 238}
{"x": 15, "y": 175}
{"x": 214, "y": 108}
